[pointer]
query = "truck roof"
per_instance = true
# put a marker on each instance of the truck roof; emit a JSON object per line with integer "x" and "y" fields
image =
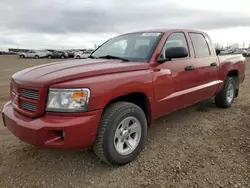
{"x": 168, "y": 30}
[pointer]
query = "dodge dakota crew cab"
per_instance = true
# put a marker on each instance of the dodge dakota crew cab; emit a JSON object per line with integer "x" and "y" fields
{"x": 108, "y": 101}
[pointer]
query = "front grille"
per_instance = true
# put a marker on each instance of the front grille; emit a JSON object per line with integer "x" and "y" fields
{"x": 14, "y": 89}
{"x": 25, "y": 100}
{"x": 30, "y": 94}
{"x": 29, "y": 106}
{"x": 15, "y": 97}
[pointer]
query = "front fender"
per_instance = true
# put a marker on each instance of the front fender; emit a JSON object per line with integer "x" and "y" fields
{"x": 105, "y": 88}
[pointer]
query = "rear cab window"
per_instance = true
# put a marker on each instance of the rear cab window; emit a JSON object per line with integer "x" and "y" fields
{"x": 200, "y": 45}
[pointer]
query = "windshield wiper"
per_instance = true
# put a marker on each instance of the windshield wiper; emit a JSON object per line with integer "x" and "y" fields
{"x": 93, "y": 57}
{"x": 113, "y": 57}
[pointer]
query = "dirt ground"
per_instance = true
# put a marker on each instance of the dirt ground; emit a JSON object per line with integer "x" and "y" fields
{"x": 200, "y": 146}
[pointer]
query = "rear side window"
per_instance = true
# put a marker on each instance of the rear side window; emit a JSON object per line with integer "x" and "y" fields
{"x": 200, "y": 45}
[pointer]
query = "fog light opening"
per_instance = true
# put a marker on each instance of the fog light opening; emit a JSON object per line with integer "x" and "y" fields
{"x": 61, "y": 134}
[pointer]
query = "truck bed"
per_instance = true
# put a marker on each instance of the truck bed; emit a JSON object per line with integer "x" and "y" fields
{"x": 230, "y": 57}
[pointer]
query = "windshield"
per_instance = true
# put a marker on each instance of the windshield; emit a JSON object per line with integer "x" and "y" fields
{"x": 134, "y": 47}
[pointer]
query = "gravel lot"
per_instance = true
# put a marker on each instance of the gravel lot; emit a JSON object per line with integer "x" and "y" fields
{"x": 200, "y": 146}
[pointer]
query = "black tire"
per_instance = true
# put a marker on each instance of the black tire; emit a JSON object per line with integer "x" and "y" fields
{"x": 62, "y": 57}
{"x": 113, "y": 115}
{"x": 49, "y": 56}
{"x": 22, "y": 56}
{"x": 36, "y": 56}
{"x": 221, "y": 99}
{"x": 78, "y": 57}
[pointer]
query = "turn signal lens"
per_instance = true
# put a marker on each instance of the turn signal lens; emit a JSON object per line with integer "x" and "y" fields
{"x": 79, "y": 94}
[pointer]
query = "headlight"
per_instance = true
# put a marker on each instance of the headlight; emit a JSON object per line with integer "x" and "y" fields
{"x": 68, "y": 100}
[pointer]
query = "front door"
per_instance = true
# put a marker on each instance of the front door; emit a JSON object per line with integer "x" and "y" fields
{"x": 174, "y": 80}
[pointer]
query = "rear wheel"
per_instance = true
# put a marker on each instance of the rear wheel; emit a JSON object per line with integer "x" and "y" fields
{"x": 37, "y": 57}
{"x": 62, "y": 57}
{"x": 122, "y": 133}
{"x": 226, "y": 97}
{"x": 22, "y": 56}
{"x": 78, "y": 57}
{"x": 50, "y": 57}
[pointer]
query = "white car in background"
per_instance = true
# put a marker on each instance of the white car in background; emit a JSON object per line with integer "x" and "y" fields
{"x": 33, "y": 54}
{"x": 82, "y": 55}
{"x": 246, "y": 53}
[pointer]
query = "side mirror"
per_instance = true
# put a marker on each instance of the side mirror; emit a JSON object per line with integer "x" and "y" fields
{"x": 174, "y": 52}
{"x": 217, "y": 52}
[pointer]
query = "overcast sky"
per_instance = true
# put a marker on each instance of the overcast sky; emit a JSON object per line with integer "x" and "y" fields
{"x": 83, "y": 23}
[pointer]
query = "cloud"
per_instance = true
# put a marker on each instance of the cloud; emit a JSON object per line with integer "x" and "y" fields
{"x": 66, "y": 16}
{"x": 6, "y": 42}
{"x": 75, "y": 17}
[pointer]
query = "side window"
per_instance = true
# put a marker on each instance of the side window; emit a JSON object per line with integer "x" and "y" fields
{"x": 174, "y": 40}
{"x": 200, "y": 45}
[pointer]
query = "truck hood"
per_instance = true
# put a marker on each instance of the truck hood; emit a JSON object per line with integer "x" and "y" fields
{"x": 47, "y": 74}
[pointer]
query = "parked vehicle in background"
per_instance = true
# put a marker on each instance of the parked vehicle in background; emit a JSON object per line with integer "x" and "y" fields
{"x": 57, "y": 54}
{"x": 246, "y": 53}
{"x": 32, "y": 54}
{"x": 12, "y": 53}
{"x": 89, "y": 50}
{"x": 71, "y": 53}
{"x": 7, "y": 53}
{"x": 108, "y": 101}
{"x": 239, "y": 51}
{"x": 47, "y": 53}
{"x": 228, "y": 51}
{"x": 82, "y": 55}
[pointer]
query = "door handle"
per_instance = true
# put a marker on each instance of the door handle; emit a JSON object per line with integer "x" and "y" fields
{"x": 189, "y": 68}
{"x": 213, "y": 65}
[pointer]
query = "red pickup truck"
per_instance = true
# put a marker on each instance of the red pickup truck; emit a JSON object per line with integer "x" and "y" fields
{"x": 110, "y": 99}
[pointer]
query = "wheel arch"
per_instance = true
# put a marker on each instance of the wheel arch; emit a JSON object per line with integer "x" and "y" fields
{"x": 138, "y": 98}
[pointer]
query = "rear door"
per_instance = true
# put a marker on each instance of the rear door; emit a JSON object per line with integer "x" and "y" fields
{"x": 176, "y": 79}
{"x": 206, "y": 65}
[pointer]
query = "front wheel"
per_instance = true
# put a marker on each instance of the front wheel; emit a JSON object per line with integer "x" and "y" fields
{"x": 226, "y": 97}
{"x": 122, "y": 133}
{"x": 37, "y": 57}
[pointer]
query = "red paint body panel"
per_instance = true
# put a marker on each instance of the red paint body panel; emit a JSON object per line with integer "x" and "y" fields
{"x": 48, "y": 74}
{"x": 167, "y": 87}
{"x": 80, "y": 131}
{"x": 105, "y": 88}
